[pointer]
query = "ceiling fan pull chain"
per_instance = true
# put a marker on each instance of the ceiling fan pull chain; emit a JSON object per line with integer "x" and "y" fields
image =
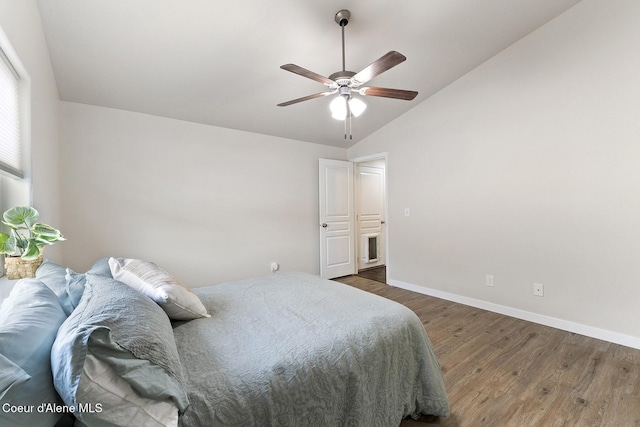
{"x": 345, "y": 129}
{"x": 350, "y": 132}
{"x": 349, "y": 116}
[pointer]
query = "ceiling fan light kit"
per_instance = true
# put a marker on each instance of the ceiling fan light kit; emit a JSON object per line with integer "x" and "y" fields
{"x": 344, "y": 84}
{"x": 343, "y": 106}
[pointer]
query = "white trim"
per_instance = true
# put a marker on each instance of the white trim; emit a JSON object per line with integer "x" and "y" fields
{"x": 565, "y": 325}
{"x": 369, "y": 158}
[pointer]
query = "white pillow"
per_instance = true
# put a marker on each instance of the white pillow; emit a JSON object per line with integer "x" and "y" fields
{"x": 175, "y": 298}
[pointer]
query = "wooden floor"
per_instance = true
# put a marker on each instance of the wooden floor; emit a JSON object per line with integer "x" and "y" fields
{"x": 501, "y": 371}
{"x": 379, "y": 274}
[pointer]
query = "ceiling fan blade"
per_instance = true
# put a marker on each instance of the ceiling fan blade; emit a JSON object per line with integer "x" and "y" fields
{"x": 388, "y": 60}
{"x": 308, "y": 74}
{"x": 305, "y": 98}
{"x": 406, "y": 95}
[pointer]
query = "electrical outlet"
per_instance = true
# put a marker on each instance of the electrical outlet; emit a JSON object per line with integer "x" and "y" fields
{"x": 489, "y": 280}
{"x": 406, "y": 212}
{"x": 538, "y": 289}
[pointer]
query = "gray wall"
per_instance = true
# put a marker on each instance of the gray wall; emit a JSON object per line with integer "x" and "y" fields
{"x": 527, "y": 168}
{"x": 207, "y": 204}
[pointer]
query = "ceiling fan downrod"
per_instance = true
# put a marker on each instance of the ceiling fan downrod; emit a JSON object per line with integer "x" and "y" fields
{"x": 342, "y": 19}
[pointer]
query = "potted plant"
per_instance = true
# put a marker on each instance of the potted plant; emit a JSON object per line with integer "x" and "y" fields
{"x": 24, "y": 245}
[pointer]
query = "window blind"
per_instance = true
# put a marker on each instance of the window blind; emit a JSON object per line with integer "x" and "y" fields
{"x": 10, "y": 143}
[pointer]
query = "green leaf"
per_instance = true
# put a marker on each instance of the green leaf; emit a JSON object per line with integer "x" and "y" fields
{"x": 46, "y": 231}
{"x": 21, "y": 242}
{"x": 14, "y": 227}
{"x": 19, "y": 215}
{"x": 32, "y": 252}
{"x": 7, "y": 243}
{"x": 40, "y": 241}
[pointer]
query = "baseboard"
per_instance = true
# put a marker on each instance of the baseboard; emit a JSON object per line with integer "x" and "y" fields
{"x": 565, "y": 325}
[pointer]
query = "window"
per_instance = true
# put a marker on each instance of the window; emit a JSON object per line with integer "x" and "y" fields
{"x": 15, "y": 128}
{"x": 15, "y": 94}
{"x": 10, "y": 142}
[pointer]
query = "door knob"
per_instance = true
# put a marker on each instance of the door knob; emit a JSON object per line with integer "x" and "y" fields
{"x": 324, "y": 225}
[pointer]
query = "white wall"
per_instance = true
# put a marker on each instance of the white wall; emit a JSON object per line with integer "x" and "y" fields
{"x": 208, "y": 204}
{"x": 528, "y": 168}
{"x": 20, "y": 21}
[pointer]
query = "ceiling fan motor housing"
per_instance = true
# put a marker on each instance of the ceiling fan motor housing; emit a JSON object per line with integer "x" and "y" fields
{"x": 342, "y": 17}
{"x": 342, "y": 78}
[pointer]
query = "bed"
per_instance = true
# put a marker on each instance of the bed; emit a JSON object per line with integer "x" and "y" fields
{"x": 133, "y": 346}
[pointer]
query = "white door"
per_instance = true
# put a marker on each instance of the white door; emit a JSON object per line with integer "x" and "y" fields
{"x": 337, "y": 231}
{"x": 370, "y": 218}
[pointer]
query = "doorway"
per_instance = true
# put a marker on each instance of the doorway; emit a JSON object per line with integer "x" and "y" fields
{"x": 353, "y": 212}
{"x": 370, "y": 193}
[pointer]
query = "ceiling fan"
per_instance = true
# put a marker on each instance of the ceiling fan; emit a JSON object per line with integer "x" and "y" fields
{"x": 347, "y": 83}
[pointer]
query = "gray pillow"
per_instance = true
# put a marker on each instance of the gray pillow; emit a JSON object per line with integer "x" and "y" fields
{"x": 125, "y": 330}
{"x": 101, "y": 268}
{"x": 66, "y": 283}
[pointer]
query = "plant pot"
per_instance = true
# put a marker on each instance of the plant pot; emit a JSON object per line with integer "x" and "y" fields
{"x": 18, "y": 268}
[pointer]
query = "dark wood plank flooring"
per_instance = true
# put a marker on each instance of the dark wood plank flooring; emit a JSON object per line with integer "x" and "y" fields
{"x": 502, "y": 371}
{"x": 379, "y": 274}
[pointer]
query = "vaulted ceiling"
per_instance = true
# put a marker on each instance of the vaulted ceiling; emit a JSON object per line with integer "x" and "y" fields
{"x": 218, "y": 63}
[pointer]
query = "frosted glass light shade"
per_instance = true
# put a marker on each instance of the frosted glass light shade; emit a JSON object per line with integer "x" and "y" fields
{"x": 338, "y": 107}
{"x": 357, "y": 106}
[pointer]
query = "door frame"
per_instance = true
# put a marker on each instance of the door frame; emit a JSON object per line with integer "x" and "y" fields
{"x": 385, "y": 230}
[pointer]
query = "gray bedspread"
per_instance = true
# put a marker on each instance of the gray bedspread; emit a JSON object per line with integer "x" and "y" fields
{"x": 291, "y": 349}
